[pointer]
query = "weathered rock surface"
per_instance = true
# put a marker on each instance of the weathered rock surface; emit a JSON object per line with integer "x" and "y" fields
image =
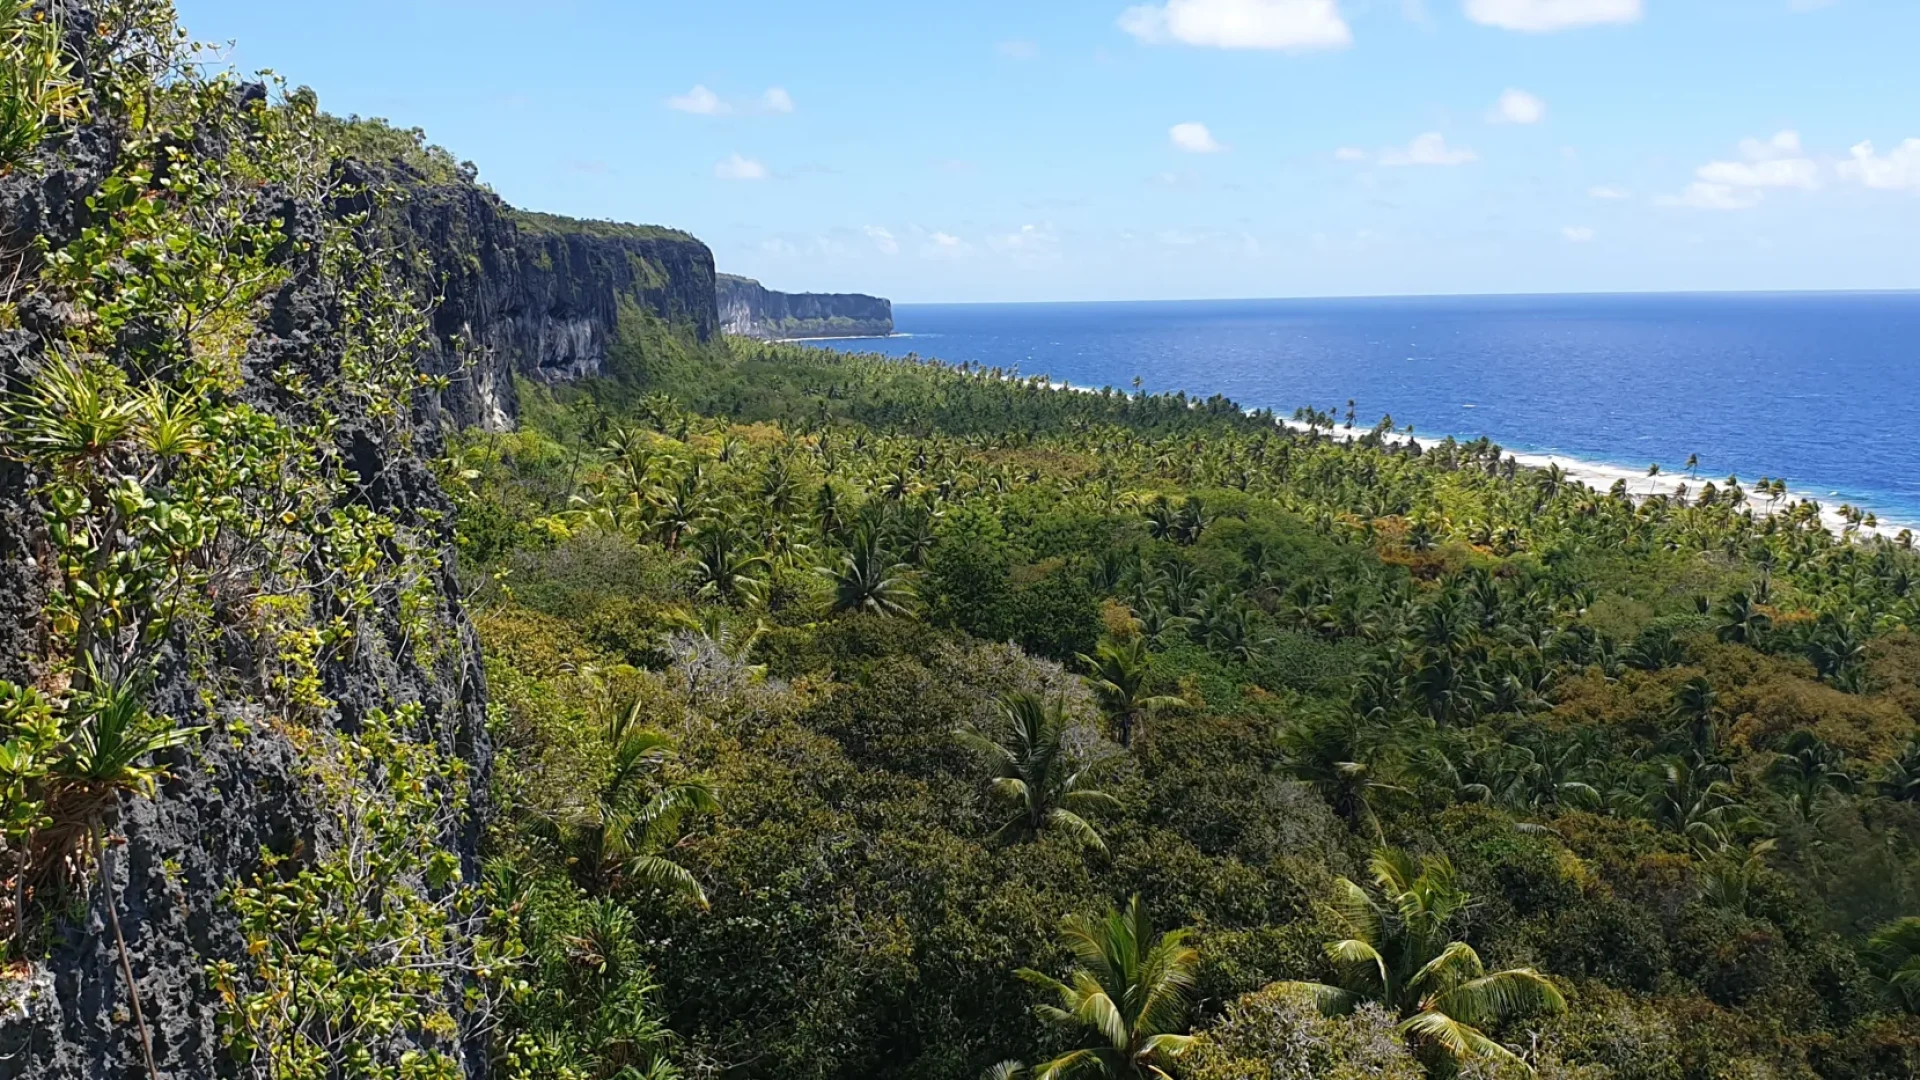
{"x": 537, "y": 295}
{"x": 239, "y": 791}
{"x": 749, "y": 309}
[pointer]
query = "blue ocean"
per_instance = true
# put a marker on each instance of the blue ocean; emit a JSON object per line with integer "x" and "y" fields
{"x": 1822, "y": 389}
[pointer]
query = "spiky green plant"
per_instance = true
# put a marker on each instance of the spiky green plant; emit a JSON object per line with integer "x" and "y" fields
{"x": 1398, "y": 953}
{"x": 1126, "y": 999}
{"x": 1035, "y": 776}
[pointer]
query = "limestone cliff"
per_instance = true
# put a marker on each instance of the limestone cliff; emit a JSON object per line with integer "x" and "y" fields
{"x": 237, "y": 788}
{"x": 749, "y": 309}
{"x": 540, "y": 296}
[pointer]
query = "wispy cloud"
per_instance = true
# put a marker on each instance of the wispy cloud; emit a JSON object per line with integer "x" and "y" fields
{"x": 1195, "y": 139}
{"x": 1609, "y": 193}
{"x": 1518, "y": 107}
{"x": 1428, "y": 149}
{"x": 1547, "y": 16}
{"x": 701, "y": 101}
{"x": 1017, "y": 49}
{"x": 883, "y": 240}
{"x": 740, "y": 168}
{"x": 944, "y": 245}
{"x": 1578, "y": 234}
{"x": 1764, "y": 164}
{"x": 1286, "y": 25}
{"x": 1896, "y": 170}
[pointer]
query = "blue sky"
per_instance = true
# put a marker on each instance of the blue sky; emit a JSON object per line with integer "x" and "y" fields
{"x": 1102, "y": 149}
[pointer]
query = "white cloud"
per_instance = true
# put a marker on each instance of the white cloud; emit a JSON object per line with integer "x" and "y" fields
{"x": 1741, "y": 185}
{"x": 740, "y": 168}
{"x": 1898, "y": 170}
{"x": 1293, "y": 25}
{"x": 1349, "y": 153}
{"x": 1577, "y": 234}
{"x": 1546, "y": 16}
{"x": 1195, "y": 139}
{"x": 941, "y": 245}
{"x": 1609, "y": 192}
{"x": 1018, "y": 49}
{"x": 1428, "y": 149}
{"x": 1518, "y": 107}
{"x": 1705, "y": 196}
{"x": 1028, "y": 240}
{"x": 1775, "y": 173}
{"x": 700, "y": 101}
{"x": 883, "y": 240}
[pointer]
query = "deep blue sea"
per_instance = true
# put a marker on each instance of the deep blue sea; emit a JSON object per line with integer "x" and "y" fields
{"x": 1820, "y": 388}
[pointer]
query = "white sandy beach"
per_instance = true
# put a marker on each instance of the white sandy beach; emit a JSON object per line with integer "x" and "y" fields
{"x": 1601, "y": 477}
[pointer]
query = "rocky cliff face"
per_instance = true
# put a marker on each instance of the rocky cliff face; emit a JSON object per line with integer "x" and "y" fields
{"x": 239, "y": 790}
{"x": 537, "y": 295}
{"x": 749, "y": 309}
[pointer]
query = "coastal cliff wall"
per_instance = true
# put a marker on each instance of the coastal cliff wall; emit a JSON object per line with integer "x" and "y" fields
{"x": 306, "y": 425}
{"x": 749, "y": 309}
{"x": 519, "y": 293}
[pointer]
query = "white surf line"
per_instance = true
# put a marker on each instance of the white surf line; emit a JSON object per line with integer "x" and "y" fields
{"x": 1601, "y": 477}
{"x": 1594, "y": 474}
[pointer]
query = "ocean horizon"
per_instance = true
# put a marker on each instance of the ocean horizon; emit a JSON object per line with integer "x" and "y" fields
{"x": 1812, "y": 387}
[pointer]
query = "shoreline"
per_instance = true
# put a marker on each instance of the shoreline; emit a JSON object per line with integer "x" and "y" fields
{"x": 837, "y": 337}
{"x": 1601, "y": 476}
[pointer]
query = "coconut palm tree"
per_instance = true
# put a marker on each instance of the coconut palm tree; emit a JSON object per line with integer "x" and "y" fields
{"x": 1118, "y": 674}
{"x": 1397, "y": 954}
{"x": 1894, "y": 958}
{"x": 624, "y": 829}
{"x": 1126, "y": 999}
{"x": 1035, "y": 776}
{"x": 726, "y": 570}
{"x": 1806, "y": 771}
{"x": 1696, "y": 801}
{"x": 1742, "y": 622}
{"x": 1899, "y": 779}
{"x": 1696, "y": 710}
{"x": 870, "y": 579}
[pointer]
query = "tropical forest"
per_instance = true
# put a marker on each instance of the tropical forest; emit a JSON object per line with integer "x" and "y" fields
{"x": 386, "y": 697}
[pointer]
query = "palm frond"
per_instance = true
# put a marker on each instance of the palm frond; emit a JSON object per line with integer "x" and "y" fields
{"x": 1456, "y": 964}
{"x": 1066, "y": 1065}
{"x": 1359, "y": 956}
{"x": 1500, "y": 995}
{"x": 1463, "y": 1041}
{"x": 1077, "y": 828}
{"x": 1097, "y": 1011}
{"x": 654, "y": 872}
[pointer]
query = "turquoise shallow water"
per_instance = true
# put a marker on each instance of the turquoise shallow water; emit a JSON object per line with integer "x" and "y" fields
{"x": 1820, "y": 388}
